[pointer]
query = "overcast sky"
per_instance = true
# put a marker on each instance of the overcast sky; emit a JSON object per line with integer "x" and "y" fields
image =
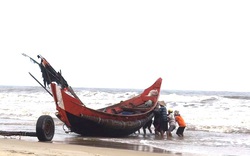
{"x": 192, "y": 45}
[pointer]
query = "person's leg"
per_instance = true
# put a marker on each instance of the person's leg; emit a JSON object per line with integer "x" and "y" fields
{"x": 178, "y": 132}
{"x": 149, "y": 128}
{"x": 171, "y": 128}
{"x": 169, "y": 134}
{"x": 157, "y": 129}
{"x": 144, "y": 131}
{"x": 162, "y": 133}
{"x": 162, "y": 130}
{"x": 182, "y": 131}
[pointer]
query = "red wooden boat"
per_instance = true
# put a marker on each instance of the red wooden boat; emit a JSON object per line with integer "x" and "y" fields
{"x": 117, "y": 120}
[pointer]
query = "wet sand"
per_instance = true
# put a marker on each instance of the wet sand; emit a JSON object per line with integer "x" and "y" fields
{"x": 19, "y": 147}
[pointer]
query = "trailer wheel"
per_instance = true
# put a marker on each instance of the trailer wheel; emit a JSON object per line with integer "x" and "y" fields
{"x": 45, "y": 128}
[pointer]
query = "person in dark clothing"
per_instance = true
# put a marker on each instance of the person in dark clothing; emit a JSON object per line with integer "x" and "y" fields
{"x": 156, "y": 121}
{"x": 147, "y": 126}
{"x": 161, "y": 120}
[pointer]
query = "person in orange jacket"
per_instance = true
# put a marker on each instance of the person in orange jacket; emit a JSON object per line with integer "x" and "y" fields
{"x": 181, "y": 123}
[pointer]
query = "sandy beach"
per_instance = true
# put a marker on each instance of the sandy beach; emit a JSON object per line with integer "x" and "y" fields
{"x": 19, "y": 147}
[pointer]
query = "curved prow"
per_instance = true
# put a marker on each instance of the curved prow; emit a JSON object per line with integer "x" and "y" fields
{"x": 156, "y": 86}
{"x": 144, "y": 102}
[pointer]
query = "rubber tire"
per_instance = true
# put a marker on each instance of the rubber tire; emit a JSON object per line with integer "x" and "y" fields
{"x": 45, "y": 128}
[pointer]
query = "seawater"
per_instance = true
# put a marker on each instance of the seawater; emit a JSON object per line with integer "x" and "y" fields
{"x": 218, "y": 123}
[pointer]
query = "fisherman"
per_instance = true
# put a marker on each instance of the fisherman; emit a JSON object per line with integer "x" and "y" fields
{"x": 171, "y": 121}
{"x": 147, "y": 126}
{"x": 156, "y": 121}
{"x": 181, "y": 123}
{"x": 161, "y": 121}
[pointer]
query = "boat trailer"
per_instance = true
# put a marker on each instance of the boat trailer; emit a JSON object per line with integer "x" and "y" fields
{"x": 45, "y": 130}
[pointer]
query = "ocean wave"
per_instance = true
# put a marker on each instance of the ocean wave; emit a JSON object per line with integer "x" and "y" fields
{"x": 238, "y": 97}
{"x": 209, "y": 100}
{"x": 222, "y": 129}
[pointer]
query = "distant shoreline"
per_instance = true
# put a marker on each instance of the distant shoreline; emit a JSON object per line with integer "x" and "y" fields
{"x": 165, "y": 91}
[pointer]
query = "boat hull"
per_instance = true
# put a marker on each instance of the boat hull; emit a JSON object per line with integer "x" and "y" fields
{"x": 91, "y": 127}
{"x": 118, "y": 120}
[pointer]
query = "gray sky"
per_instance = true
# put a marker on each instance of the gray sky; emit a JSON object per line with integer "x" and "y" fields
{"x": 192, "y": 45}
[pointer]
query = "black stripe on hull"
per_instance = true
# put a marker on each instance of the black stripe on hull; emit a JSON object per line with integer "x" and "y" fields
{"x": 93, "y": 126}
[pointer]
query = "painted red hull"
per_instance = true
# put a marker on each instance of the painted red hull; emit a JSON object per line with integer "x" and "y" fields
{"x": 118, "y": 120}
